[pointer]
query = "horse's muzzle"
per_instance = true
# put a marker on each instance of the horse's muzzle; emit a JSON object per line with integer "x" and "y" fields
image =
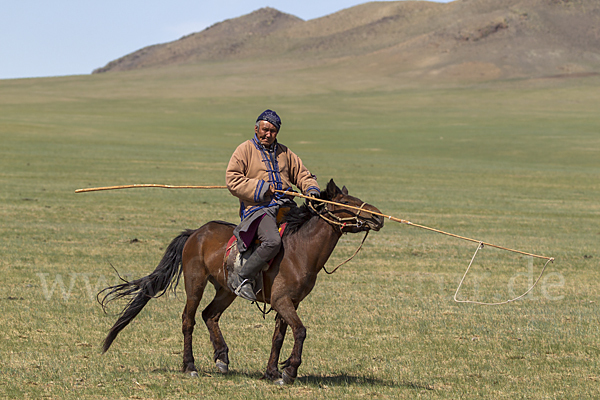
{"x": 375, "y": 222}
{"x": 372, "y": 222}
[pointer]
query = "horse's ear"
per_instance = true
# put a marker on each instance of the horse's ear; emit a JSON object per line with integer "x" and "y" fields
{"x": 345, "y": 190}
{"x": 332, "y": 189}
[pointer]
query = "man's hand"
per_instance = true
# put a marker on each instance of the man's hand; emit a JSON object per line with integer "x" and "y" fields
{"x": 314, "y": 194}
{"x": 270, "y": 191}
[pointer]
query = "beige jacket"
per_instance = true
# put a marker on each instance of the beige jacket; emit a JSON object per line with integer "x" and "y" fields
{"x": 252, "y": 168}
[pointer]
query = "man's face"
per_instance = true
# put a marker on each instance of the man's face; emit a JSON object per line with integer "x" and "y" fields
{"x": 265, "y": 132}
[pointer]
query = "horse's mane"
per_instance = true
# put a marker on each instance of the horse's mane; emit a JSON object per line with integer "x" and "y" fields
{"x": 298, "y": 216}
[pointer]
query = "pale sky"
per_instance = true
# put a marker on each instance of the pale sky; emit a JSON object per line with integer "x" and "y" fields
{"x": 72, "y": 37}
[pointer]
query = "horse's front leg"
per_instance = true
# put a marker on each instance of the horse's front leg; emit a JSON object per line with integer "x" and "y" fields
{"x": 272, "y": 372}
{"x": 287, "y": 310}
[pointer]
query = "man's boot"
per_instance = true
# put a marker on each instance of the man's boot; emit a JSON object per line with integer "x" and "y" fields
{"x": 243, "y": 283}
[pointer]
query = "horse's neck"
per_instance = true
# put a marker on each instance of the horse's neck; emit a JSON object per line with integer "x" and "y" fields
{"x": 322, "y": 239}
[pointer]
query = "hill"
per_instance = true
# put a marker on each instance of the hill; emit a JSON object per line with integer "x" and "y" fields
{"x": 464, "y": 40}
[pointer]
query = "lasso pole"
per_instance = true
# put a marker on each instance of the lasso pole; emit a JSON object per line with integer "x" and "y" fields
{"x": 289, "y": 193}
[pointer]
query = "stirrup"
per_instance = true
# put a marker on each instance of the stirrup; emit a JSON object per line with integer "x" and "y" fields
{"x": 238, "y": 291}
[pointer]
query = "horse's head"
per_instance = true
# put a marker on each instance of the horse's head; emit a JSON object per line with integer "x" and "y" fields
{"x": 350, "y": 219}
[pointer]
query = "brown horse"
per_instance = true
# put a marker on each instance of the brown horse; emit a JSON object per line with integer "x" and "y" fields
{"x": 311, "y": 236}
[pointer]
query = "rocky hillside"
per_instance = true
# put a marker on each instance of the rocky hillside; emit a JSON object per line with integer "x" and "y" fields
{"x": 464, "y": 39}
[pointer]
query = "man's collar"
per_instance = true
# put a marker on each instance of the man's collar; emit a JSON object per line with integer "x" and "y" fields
{"x": 272, "y": 147}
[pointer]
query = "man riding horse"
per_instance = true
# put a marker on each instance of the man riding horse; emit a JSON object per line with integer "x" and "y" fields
{"x": 256, "y": 169}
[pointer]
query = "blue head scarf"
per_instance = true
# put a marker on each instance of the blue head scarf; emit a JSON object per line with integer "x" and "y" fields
{"x": 270, "y": 116}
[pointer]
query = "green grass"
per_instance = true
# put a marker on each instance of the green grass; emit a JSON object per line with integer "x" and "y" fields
{"x": 515, "y": 164}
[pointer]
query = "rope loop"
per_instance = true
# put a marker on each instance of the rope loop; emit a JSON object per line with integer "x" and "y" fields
{"x": 480, "y": 246}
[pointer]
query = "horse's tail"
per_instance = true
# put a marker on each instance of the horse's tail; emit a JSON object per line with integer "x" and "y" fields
{"x": 140, "y": 291}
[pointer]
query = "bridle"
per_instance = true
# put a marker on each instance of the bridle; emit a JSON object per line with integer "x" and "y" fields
{"x": 329, "y": 216}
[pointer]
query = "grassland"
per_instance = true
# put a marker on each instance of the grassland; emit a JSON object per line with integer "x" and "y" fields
{"x": 513, "y": 163}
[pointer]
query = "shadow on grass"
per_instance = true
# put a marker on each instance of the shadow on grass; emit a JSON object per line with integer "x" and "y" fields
{"x": 308, "y": 380}
{"x": 353, "y": 380}
{"x": 319, "y": 380}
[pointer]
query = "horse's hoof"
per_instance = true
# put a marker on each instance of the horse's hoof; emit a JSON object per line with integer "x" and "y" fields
{"x": 194, "y": 374}
{"x": 287, "y": 379}
{"x": 279, "y": 382}
{"x": 222, "y": 367}
{"x": 284, "y": 380}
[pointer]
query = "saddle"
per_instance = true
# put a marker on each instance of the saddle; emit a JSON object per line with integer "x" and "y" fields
{"x": 234, "y": 260}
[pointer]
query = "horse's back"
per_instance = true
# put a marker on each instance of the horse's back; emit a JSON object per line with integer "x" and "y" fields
{"x": 205, "y": 248}
{"x": 212, "y": 235}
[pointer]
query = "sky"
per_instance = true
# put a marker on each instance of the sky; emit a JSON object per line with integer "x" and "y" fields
{"x": 40, "y": 38}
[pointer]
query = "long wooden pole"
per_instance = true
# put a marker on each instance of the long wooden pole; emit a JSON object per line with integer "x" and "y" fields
{"x": 146, "y": 185}
{"x": 289, "y": 193}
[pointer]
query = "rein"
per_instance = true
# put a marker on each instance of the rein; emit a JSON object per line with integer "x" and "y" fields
{"x": 351, "y": 257}
{"x": 341, "y": 223}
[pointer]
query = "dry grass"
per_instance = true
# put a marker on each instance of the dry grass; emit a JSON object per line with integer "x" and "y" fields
{"x": 515, "y": 166}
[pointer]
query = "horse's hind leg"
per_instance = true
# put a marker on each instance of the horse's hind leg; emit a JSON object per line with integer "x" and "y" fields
{"x": 272, "y": 372}
{"x": 194, "y": 289}
{"x": 211, "y": 315}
